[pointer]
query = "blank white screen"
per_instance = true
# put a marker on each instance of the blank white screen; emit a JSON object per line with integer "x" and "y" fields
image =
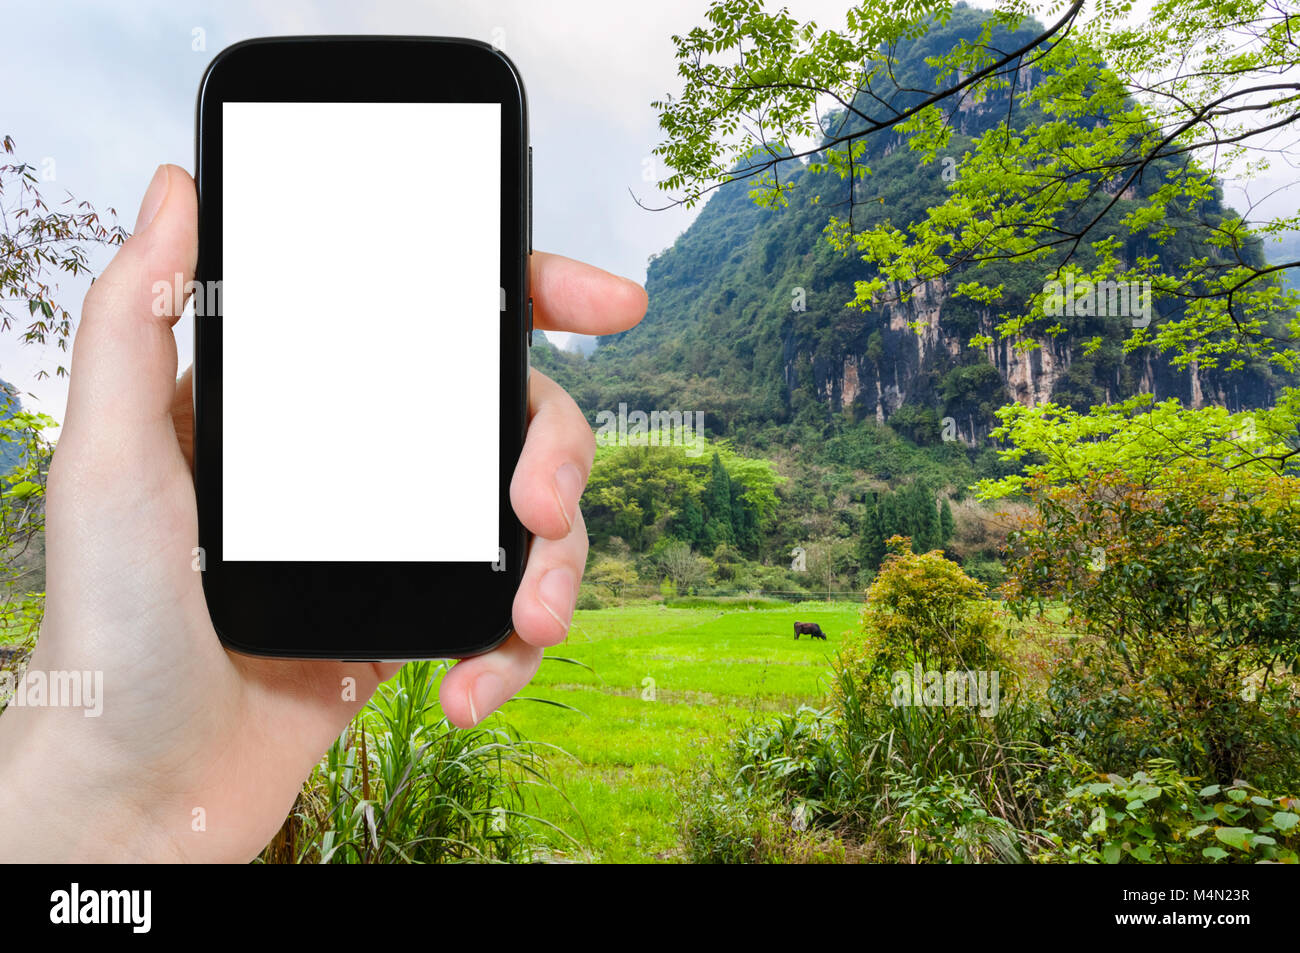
{"x": 361, "y": 331}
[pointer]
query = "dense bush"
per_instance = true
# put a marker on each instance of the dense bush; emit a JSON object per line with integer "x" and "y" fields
{"x": 942, "y": 819}
{"x": 721, "y": 828}
{"x": 770, "y": 809}
{"x": 923, "y": 610}
{"x": 1189, "y": 598}
{"x": 882, "y": 782}
{"x": 1159, "y": 815}
{"x": 883, "y": 779}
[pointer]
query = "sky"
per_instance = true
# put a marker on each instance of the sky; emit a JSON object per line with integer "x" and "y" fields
{"x": 107, "y": 91}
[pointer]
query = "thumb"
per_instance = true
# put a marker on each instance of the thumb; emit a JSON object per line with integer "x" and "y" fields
{"x": 124, "y": 352}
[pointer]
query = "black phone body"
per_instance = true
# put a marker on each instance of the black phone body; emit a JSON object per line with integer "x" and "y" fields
{"x": 360, "y": 392}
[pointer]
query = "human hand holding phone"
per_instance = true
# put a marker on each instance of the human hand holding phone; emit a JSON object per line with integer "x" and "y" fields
{"x": 187, "y": 724}
{"x": 387, "y": 311}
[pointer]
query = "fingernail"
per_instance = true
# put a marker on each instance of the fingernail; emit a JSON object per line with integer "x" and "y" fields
{"x": 487, "y": 694}
{"x": 555, "y": 593}
{"x": 568, "y": 490}
{"x": 153, "y": 199}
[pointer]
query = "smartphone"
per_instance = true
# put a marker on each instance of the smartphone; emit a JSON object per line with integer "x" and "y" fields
{"x": 362, "y": 323}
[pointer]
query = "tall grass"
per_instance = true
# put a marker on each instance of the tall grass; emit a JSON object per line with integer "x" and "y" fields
{"x": 992, "y": 756}
{"x": 403, "y": 785}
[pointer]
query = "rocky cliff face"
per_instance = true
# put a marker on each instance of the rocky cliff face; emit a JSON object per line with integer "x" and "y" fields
{"x": 914, "y": 345}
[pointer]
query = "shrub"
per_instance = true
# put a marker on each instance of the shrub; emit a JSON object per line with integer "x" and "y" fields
{"x": 589, "y": 598}
{"x": 922, "y": 610}
{"x": 723, "y": 825}
{"x": 1159, "y": 815}
{"x": 731, "y": 602}
{"x": 941, "y": 819}
{"x": 1191, "y": 597}
{"x": 910, "y": 783}
{"x": 1118, "y": 719}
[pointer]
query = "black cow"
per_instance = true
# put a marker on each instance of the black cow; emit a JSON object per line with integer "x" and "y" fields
{"x": 809, "y": 628}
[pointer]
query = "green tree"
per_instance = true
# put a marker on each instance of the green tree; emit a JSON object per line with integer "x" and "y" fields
{"x": 718, "y": 526}
{"x": 639, "y": 493}
{"x": 871, "y": 544}
{"x": 685, "y": 569}
{"x": 1190, "y": 593}
{"x": 22, "y": 520}
{"x": 1039, "y": 186}
{"x": 1109, "y": 136}
{"x": 922, "y": 609}
{"x": 688, "y": 525}
{"x": 37, "y": 244}
{"x": 611, "y": 573}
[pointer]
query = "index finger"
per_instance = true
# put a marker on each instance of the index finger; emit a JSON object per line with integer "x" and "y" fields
{"x": 571, "y": 295}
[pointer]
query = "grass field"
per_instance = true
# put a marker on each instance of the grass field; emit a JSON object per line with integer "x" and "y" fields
{"x": 713, "y": 670}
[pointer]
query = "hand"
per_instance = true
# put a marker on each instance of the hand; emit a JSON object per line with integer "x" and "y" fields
{"x": 186, "y": 724}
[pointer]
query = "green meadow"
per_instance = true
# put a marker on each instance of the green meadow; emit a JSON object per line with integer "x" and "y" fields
{"x": 657, "y": 694}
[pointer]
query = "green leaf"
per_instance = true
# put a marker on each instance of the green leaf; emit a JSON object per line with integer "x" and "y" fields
{"x": 1227, "y": 812}
{"x": 1285, "y": 820}
{"x": 1238, "y": 837}
{"x": 22, "y": 490}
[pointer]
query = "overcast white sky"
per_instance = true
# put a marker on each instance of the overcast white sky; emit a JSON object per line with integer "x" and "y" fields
{"x": 107, "y": 90}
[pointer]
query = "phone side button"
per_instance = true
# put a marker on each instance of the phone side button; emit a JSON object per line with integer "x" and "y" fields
{"x": 530, "y": 320}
